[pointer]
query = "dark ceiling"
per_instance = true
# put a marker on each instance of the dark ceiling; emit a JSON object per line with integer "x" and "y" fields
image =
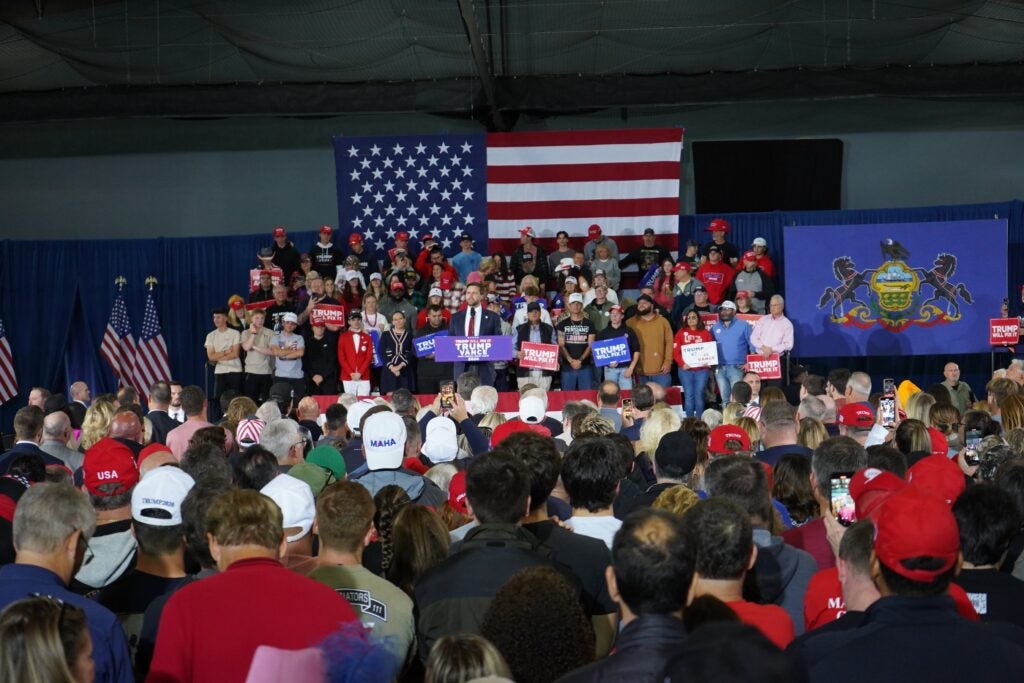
{"x": 490, "y": 59}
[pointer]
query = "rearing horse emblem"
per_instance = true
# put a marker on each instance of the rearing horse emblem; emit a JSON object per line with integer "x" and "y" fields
{"x": 893, "y": 296}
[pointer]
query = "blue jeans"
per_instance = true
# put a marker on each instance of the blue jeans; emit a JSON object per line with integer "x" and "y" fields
{"x": 619, "y": 376}
{"x": 582, "y": 379}
{"x": 663, "y": 380}
{"x": 726, "y": 376}
{"x": 693, "y": 382}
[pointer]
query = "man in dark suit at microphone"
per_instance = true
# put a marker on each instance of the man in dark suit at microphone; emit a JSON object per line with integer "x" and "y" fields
{"x": 475, "y": 321}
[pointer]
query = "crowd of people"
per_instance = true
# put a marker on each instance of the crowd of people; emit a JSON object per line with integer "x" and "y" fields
{"x": 326, "y": 321}
{"x": 826, "y": 529}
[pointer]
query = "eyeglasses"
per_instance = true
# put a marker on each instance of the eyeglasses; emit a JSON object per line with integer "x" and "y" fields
{"x": 63, "y": 605}
{"x": 87, "y": 552}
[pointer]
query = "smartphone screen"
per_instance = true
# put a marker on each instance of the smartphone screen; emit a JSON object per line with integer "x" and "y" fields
{"x": 887, "y": 406}
{"x": 972, "y": 440}
{"x": 889, "y": 386}
{"x": 447, "y": 395}
{"x": 843, "y": 508}
{"x": 627, "y": 404}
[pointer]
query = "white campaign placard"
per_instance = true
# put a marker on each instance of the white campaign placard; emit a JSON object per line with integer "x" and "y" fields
{"x": 699, "y": 355}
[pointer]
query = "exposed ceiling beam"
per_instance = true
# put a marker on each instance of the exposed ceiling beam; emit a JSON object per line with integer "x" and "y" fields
{"x": 483, "y": 68}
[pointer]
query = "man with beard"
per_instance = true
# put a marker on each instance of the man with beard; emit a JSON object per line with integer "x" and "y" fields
{"x": 646, "y": 255}
{"x": 316, "y": 296}
{"x": 286, "y": 256}
{"x": 576, "y": 335}
{"x": 655, "y": 337}
{"x": 733, "y": 338}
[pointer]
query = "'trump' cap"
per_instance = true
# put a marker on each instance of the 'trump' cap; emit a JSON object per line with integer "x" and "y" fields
{"x": 720, "y": 435}
{"x": 158, "y": 496}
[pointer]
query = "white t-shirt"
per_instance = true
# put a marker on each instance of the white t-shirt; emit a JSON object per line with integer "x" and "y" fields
{"x": 602, "y": 528}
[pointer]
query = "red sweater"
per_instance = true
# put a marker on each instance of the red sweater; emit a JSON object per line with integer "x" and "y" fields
{"x": 771, "y": 620}
{"x": 210, "y": 629}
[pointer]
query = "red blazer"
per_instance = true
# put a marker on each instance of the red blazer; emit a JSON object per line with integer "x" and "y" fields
{"x": 352, "y": 360}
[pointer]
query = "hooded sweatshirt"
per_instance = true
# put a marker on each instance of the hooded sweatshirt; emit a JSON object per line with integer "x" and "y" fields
{"x": 420, "y": 489}
{"x": 113, "y": 547}
{"x": 781, "y": 575}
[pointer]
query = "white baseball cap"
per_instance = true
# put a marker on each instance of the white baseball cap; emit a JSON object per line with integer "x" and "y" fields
{"x": 531, "y": 410}
{"x": 728, "y": 304}
{"x": 295, "y": 498}
{"x": 435, "y": 291}
{"x": 290, "y": 318}
{"x": 158, "y": 496}
{"x": 356, "y": 412}
{"x": 376, "y": 276}
{"x": 442, "y": 442}
{"x": 575, "y": 298}
{"x": 384, "y": 438}
{"x": 760, "y": 242}
{"x": 572, "y": 279}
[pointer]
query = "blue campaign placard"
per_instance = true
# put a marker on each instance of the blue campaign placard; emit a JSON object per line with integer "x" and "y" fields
{"x": 425, "y": 344}
{"x": 615, "y": 350}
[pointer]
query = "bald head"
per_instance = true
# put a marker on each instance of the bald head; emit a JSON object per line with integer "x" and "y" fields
{"x": 126, "y": 425}
{"x": 56, "y": 426}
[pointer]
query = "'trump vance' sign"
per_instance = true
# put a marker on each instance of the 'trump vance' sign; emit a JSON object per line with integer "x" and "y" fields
{"x": 472, "y": 349}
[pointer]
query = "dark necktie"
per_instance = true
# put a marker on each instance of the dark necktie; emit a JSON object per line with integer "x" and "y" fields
{"x": 472, "y": 322}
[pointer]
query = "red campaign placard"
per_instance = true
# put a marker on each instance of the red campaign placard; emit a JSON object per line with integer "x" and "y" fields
{"x": 1003, "y": 331}
{"x": 539, "y": 356}
{"x": 709, "y": 319}
{"x": 330, "y": 315}
{"x": 749, "y": 317}
{"x": 766, "y": 368}
{"x": 276, "y": 277}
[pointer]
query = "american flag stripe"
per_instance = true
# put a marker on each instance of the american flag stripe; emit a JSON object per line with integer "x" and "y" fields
{"x": 623, "y": 180}
{"x": 554, "y": 173}
{"x": 8, "y": 380}
{"x": 571, "y": 191}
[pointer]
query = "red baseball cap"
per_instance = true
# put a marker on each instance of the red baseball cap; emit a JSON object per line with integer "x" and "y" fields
{"x": 152, "y": 449}
{"x": 506, "y": 429}
{"x": 355, "y": 238}
{"x": 938, "y": 476}
{"x": 749, "y": 256}
{"x": 428, "y": 238}
{"x": 912, "y": 524}
{"x": 402, "y": 235}
{"x": 326, "y": 229}
{"x": 279, "y": 231}
{"x": 682, "y": 265}
{"x": 940, "y": 445}
{"x": 528, "y": 231}
{"x": 109, "y": 461}
{"x": 594, "y": 230}
{"x": 724, "y": 433}
{"x": 742, "y": 294}
{"x": 856, "y": 415}
{"x": 457, "y": 492}
{"x": 870, "y": 487}
{"x": 718, "y": 224}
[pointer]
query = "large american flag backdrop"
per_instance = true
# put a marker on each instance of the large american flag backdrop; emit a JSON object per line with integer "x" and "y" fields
{"x": 491, "y": 186}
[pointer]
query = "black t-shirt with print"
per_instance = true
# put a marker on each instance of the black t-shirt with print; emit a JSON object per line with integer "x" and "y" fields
{"x": 577, "y": 336}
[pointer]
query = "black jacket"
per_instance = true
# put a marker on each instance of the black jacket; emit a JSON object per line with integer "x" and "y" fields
{"x": 453, "y": 596}
{"x": 641, "y": 651}
{"x": 162, "y": 423}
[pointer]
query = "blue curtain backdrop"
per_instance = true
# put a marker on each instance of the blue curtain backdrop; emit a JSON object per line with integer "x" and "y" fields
{"x": 55, "y": 297}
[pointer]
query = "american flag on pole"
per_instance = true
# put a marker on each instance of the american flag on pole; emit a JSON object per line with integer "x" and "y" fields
{"x": 8, "y": 380}
{"x": 493, "y": 185}
{"x": 118, "y": 347}
{"x": 151, "y": 363}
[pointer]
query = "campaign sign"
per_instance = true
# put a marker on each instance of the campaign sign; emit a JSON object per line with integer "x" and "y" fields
{"x": 259, "y": 305}
{"x": 473, "y": 349}
{"x": 375, "y": 336}
{"x": 1002, "y": 331}
{"x": 709, "y": 318}
{"x": 327, "y": 314}
{"x": 749, "y": 317}
{"x": 539, "y": 356}
{"x": 700, "y": 355}
{"x": 894, "y": 289}
{"x": 766, "y": 368}
{"x": 276, "y": 277}
{"x": 425, "y": 344}
{"x": 608, "y": 351}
